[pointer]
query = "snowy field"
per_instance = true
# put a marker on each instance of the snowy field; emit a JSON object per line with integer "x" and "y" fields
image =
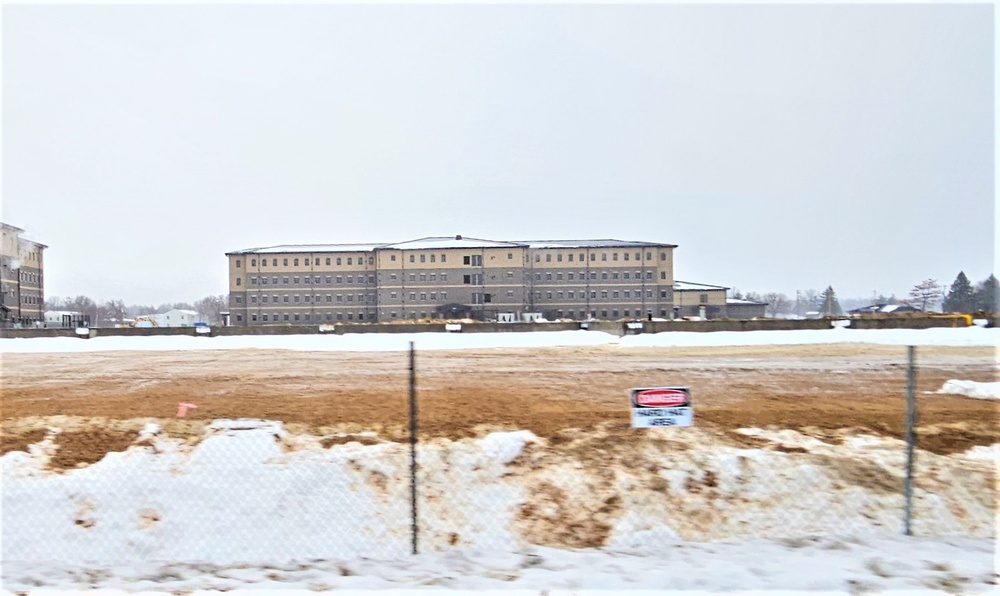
{"x": 251, "y": 508}
{"x": 379, "y": 342}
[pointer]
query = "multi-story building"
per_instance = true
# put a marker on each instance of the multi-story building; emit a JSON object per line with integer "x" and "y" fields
{"x": 447, "y": 277}
{"x": 22, "y": 278}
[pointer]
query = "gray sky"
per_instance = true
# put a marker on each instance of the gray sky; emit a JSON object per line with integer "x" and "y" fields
{"x": 782, "y": 147}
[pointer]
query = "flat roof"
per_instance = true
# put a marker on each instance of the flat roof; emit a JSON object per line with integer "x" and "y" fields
{"x": 448, "y": 242}
{"x": 687, "y": 285}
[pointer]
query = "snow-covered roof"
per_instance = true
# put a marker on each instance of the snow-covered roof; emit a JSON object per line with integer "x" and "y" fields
{"x": 182, "y": 310}
{"x": 605, "y": 243}
{"x": 299, "y": 248}
{"x": 449, "y": 242}
{"x": 681, "y": 286}
{"x": 740, "y": 301}
{"x": 444, "y": 242}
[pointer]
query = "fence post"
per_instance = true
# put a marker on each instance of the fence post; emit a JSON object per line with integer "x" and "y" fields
{"x": 911, "y": 423}
{"x": 413, "y": 448}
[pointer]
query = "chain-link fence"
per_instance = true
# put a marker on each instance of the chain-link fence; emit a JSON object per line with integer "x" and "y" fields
{"x": 250, "y": 490}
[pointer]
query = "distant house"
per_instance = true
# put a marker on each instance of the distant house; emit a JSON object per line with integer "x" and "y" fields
{"x": 883, "y": 309}
{"x": 745, "y": 309}
{"x": 66, "y": 318}
{"x": 177, "y": 317}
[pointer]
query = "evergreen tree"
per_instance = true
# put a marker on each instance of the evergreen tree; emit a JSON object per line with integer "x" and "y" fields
{"x": 960, "y": 297}
{"x": 828, "y": 303}
{"x": 986, "y": 297}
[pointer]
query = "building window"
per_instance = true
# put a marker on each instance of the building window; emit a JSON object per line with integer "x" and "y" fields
{"x": 570, "y": 276}
{"x": 625, "y": 275}
{"x": 284, "y": 262}
{"x": 328, "y": 261}
{"x": 538, "y": 258}
{"x": 593, "y": 294}
{"x": 614, "y": 294}
{"x": 338, "y": 260}
{"x": 604, "y": 314}
{"x": 604, "y": 294}
{"x": 569, "y": 294}
{"x": 649, "y": 293}
{"x": 274, "y": 263}
{"x": 444, "y": 295}
{"x": 433, "y": 258}
{"x": 295, "y": 281}
{"x": 703, "y": 298}
{"x": 239, "y": 263}
{"x": 392, "y": 294}
{"x": 604, "y": 275}
{"x": 329, "y": 297}
{"x": 638, "y": 256}
{"x": 423, "y": 296}
{"x": 350, "y": 297}
{"x": 548, "y": 277}
{"x": 444, "y": 277}
{"x": 510, "y": 256}
{"x": 663, "y": 293}
{"x": 649, "y": 256}
{"x": 239, "y": 281}
{"x": 423, "y": 277}
{"x": 393, "y": 259}
{"x": 627, "y": 293}
{"x": 604, "y": 256}
{"x": 329, "y": 279}
{"x": 296, "y": 317}
{"x": 593, "y": 275}
{"x": 371, "y": 260}
{"x": 307, "y": 280}
{"x": 663, "y": 275}
{"x": 433, "y": 295}
{"x": 350, "y": 279}
{"x": 649, "y": 275}
{"x": 340, "y": 317}
{"x": 423, "y": 258}
{"x": 350, "y": 259}
{"x": 239, "y": 317}
{"x": 295, "y": 263}
{"x": 253, "y": 280}
{"x": 253, "y": 299}
{"x": 340, "y": 297}
{"x": 413, "y": 258}
{"x": 306, "y": 298}
{"x": 295, "y": 298}
{"x": 392, "y": 276}
{"x": 253, "y": 262}
{"x": 413, "y": 277}
{"x": 306, "y": 262}
{"x": 340, "y": 279}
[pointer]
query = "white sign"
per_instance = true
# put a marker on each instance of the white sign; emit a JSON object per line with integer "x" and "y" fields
{"x": 661, "y": 407}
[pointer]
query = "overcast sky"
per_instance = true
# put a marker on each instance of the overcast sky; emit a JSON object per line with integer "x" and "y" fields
{"x": 782, "y": 147}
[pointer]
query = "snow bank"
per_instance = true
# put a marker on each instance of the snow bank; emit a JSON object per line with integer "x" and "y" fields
{"x": 252, "y": 506}
{"x": 380, "y": 342}
{"x": 809, "y": 564}
{"x": 971, "y": 389}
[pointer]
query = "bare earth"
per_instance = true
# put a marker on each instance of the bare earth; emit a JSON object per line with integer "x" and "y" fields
{"x": 100, "y": 400}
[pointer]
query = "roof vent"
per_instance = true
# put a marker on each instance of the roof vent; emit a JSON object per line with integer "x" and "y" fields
{"x": 458, "y": 237}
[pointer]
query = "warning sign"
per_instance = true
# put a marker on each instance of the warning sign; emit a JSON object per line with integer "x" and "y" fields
{"x": 661, "y": 406}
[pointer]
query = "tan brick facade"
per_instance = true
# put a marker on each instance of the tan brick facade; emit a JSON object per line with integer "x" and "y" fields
{"x": 22, "y": 279}
{"x": 424, "y": 279}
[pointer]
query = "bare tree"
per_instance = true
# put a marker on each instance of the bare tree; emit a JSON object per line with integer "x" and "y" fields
{"x": 115, "y": 311}
{"x": 777, "y": 304}
{"x": 210, "y": 308}
{"x": 925, "y": 294}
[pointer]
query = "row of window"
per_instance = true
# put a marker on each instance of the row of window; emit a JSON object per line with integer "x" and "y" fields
{"x": 594, "y": 294}
{"x": 308, "y": 280}
{"x": 432, "y": 276}
{"x": 604, "y": 275}
{"x": 300, "y": 317}
{"x": 604, "y": 256}
{"x": 308, "y": 298}
{"x": 29, "y": 277}
{"x": 306, "y": 261}
{"x": 30, "y": 299}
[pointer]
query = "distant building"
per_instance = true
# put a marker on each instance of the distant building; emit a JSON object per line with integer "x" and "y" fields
{"x": 431, "y": 277}
{"x": 22, "y": 279}
{"x": 883, "y": 309}
{"x": 177, "y": 317}
{"x": 66, "y": 318}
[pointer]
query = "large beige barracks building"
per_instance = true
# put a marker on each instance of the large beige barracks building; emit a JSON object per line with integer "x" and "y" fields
{"x": 450, "y": 277}
{"x": 22, "y": 278}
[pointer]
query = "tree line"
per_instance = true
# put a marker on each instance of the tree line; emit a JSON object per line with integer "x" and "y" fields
{"x": 116, "y": 312}
{"x": 962, "y": 297}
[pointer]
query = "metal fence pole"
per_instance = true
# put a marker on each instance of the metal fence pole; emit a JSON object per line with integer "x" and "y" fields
{"x": 413, "y": 447}
{"x": 911, "y": 437}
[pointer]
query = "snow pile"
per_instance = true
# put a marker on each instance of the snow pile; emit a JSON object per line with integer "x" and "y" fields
{"x": 390, "y": 342}
{"x": 250, "y": 491}
{"x": 812, "y": 563}
{"x": 253, "y": 506}
{"x": 971, "y": 389}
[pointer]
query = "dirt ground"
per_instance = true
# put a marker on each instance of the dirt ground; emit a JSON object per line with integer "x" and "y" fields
{"x": 99, "y": 401}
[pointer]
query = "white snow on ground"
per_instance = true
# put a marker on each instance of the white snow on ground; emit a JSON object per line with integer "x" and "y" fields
{"x": 812, "y": 563}
{"x": 380, "y": 342}
{"x": 253, "y": 507}
{"x": 971, "y": 389}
